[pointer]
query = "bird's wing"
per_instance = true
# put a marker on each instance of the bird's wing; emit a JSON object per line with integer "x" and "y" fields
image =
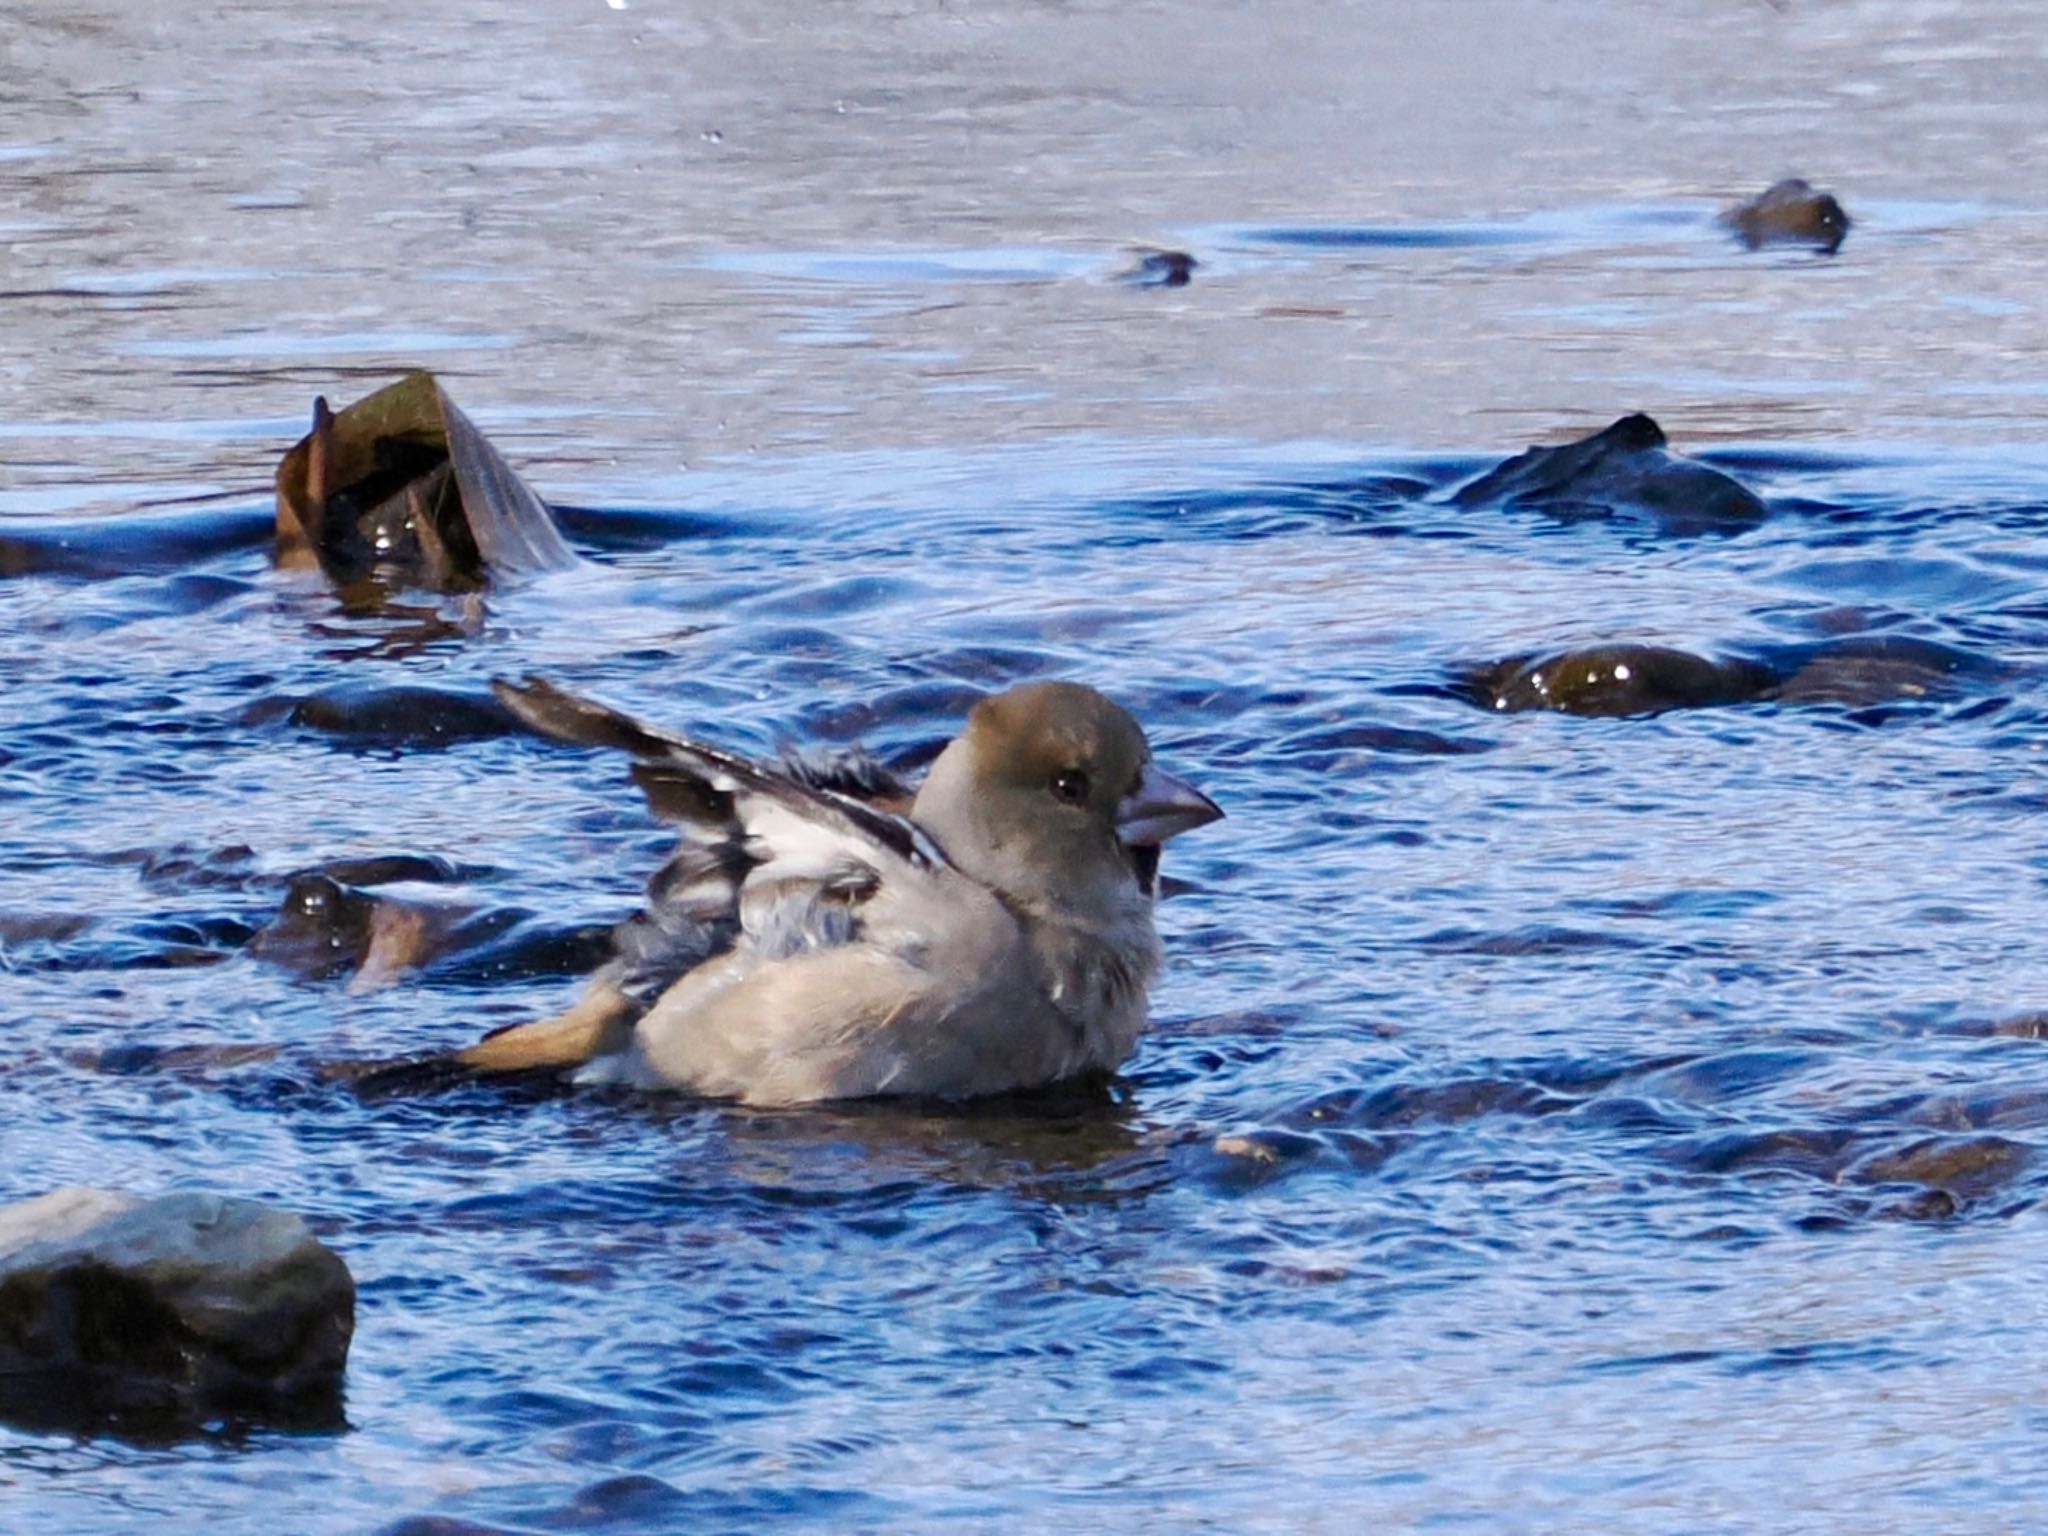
{"x": 562, "y": 716}
{"x": 771, "y": 858}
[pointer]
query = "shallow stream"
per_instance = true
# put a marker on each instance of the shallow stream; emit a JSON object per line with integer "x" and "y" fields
{"x": 1547, "y": 1123}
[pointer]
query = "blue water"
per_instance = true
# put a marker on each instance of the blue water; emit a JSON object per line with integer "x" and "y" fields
{"x": 1541, "y": 1114}
{"x": 1547, "y": 1123}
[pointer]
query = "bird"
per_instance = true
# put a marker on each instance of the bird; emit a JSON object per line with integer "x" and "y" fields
{"x": 822, "y": 934}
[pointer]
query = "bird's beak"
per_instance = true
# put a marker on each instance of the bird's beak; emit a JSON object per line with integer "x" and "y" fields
{"x": 1161, "y": 807}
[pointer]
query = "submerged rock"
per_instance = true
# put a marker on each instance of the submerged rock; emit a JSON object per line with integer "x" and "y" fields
{"x": 1619, "y": 680}
{"x": 1965, "y": 1167}
{"x": 162, "y": 1314}
{"x": 1790, "y": 213}
{"x": 329, "y": 926}
{"x": 1625, "y": 468}
{"x": 324, "y": 928}
{"x": 400, "y": 716}
{"x": 1879, "y": 669}
{"x": 1152, "y": 267}
{"x": 400, "y": 489}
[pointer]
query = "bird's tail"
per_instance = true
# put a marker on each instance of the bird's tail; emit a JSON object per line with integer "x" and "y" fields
{"x": 599, "y": 1023}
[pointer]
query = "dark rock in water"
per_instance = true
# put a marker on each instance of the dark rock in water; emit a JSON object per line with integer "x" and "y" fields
{"x": 390, "y": 868}
{"x": 109, "y": 547}
{"x": 1619, "y": 680}
{"x": 19, "y": 928}
{"x": 1246, "y": 1160}
{"x": 162, "y": 1314}
{"x": 181, "y": 868}
{"x": 321, "y": 928}
{"x": 404, "y": 717}
{"x": 325, "y": 928}
{"x": 1627, "y": 468}
{"x": 400, "y": 489}
{"x": 1155, "y": 268}
{"x": 139, "y": 1059}
{"x": 1790, "y": 213}
{"x": 498, "y": 945}
{"x": 1877, "y": 669}
{"x": 1623, "y": 679}
{"x": 1965, "y": 1167}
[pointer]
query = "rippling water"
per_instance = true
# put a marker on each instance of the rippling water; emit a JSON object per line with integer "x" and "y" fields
{"x": 1546, "y": 1121}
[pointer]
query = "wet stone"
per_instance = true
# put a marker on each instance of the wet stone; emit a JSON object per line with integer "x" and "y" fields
{"x": 1879, "y": 669}
{"x": 17, "y": 928}
{"x": 1790, "y": 212}
{"x": 163, "y": 1314}
{"x": 182, "y": 868}
{"x": 1152, "y": 267}
{"x": 1245, "y": 1160}
{"x": 1927, "y": 1205}
{"x": 1614, "y": 680}
{"x": 1965, "y": 1167}
{"x": 403, "y": 716}
{"x": 1620, "y": 678}
{"x": 1624, "y": 469}
{"x": 326, "y": 929}
{"x": 322, "y": 927}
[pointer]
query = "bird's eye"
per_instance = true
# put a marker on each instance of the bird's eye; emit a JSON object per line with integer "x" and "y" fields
{"x": 1070, "y": 785}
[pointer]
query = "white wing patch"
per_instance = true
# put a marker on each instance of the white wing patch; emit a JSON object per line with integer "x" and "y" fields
{"x": 813, "y": 872}
{"x": 789, "y": 845}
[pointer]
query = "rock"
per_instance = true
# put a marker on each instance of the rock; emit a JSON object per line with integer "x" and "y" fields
{"x": 1790, "y": 213}
{"x": 1624, "y": 468}
{"x": 1247, "y": 1160}
{"x": 325, "y": 929}
{"x": 1152, "y": 267}
{"x": 161, "y": 1314}
{"x": 1880, "y": 669}
{"x": 1962, "y": 1167}
{"x": 402, "y": 716}
{"x": 1618, "y": 680}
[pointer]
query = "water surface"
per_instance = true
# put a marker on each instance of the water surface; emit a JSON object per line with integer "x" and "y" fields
{"x": 1546, "y": 1121}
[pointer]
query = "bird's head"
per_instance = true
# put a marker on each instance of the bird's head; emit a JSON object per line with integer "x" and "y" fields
{"x": 1051, "y": 791}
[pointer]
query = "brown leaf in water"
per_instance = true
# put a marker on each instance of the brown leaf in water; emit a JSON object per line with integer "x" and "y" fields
{"x": 401, "y": 489}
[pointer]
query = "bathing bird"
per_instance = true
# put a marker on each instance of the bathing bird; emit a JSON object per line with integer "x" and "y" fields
{"x": 814, "y": 937}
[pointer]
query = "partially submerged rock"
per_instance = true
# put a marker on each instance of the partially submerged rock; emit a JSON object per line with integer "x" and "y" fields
{"x": 1790, "y": 212}
{"x": 1619, "y": 680}
{"x": 1625, "y": 468}
{"x": 383, "y": 920}
{"x": 402, "y": 715}
{"x": 164, "y": 1314}
{"x": 1153, "y": 267}
{"x": 324, "y": 928}
{"x": 1964, "y": 1167}
{"x": 401, "y": 489}
{"x": 1864, "y": 670}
